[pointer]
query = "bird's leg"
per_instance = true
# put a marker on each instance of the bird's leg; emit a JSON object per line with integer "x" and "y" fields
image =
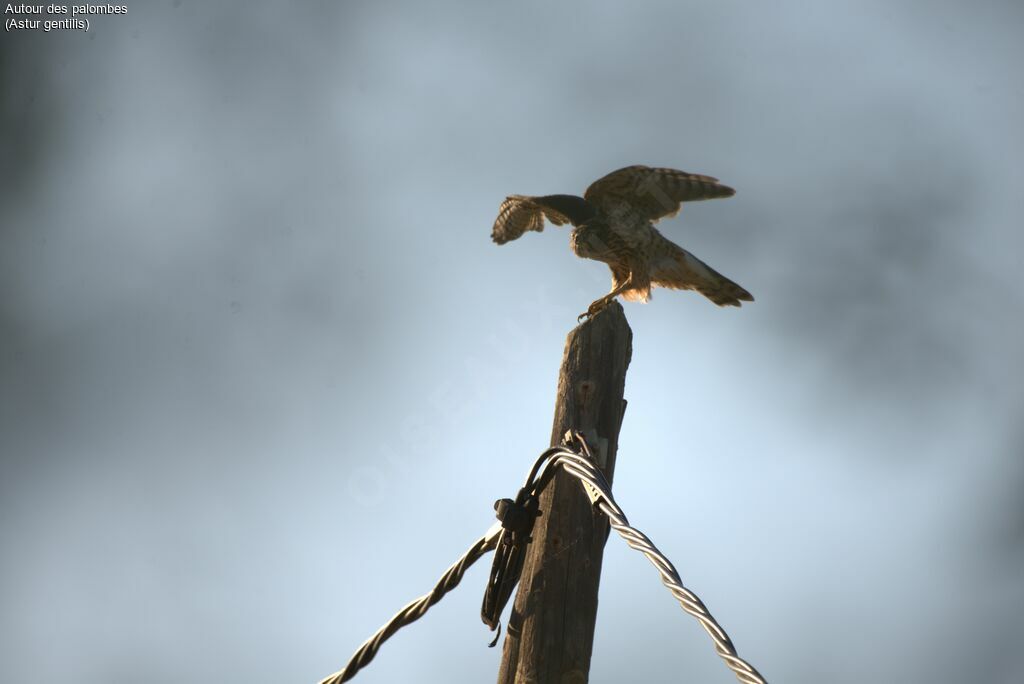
{"x": 599, "y": 304}
{"x": 595, "y": 307}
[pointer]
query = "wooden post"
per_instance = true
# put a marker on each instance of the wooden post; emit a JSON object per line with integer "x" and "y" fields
{"x": 550, "y": 632}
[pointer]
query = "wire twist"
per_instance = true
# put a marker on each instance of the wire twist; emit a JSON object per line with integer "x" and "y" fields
{"x": 584, "y": 470}
{"x": 582, "y": 467}
{"x": 414, "y": 610}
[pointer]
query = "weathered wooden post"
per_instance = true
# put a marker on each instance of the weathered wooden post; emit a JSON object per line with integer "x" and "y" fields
{"x": 551, "y": 630}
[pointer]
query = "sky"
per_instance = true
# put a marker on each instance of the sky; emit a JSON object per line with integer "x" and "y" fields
{"x": 263, "y": 372}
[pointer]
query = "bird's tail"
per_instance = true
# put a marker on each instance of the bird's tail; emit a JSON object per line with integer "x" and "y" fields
{"x": 678, "y": 269}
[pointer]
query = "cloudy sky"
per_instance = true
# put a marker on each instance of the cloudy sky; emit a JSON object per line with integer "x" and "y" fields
{"x": 263, "y": 373}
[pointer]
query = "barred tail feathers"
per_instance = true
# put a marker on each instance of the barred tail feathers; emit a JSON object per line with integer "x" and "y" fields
{"x": 677, "y": 269}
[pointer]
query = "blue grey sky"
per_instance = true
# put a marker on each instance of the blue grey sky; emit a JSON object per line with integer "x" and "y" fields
{"x": 263, "y": 372}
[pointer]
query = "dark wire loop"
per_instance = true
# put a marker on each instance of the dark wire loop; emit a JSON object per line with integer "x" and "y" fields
{"x": 517, "y": 520}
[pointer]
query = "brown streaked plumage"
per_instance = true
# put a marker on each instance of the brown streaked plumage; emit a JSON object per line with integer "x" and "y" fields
{"x": 613, "y": 223}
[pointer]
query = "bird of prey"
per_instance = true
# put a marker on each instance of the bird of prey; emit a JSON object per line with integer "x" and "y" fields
{"x": 613, "y": 223}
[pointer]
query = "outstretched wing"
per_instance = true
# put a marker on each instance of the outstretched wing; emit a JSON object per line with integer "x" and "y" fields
{"x": 673, "y": 267}
{"x": 520, "y": 213}
{"x": 654, "y": 193}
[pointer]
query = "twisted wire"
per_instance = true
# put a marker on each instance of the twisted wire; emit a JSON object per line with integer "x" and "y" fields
{"x": 414, "y": 610}
{"x": 582, "y": 467}
{"x": 600, "y": 493}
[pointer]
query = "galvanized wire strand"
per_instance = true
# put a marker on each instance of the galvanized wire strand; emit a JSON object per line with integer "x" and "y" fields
{"x": 598, "y": 490}
{"x": 414, "y": 610}
{"x": 582, "y": 467}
